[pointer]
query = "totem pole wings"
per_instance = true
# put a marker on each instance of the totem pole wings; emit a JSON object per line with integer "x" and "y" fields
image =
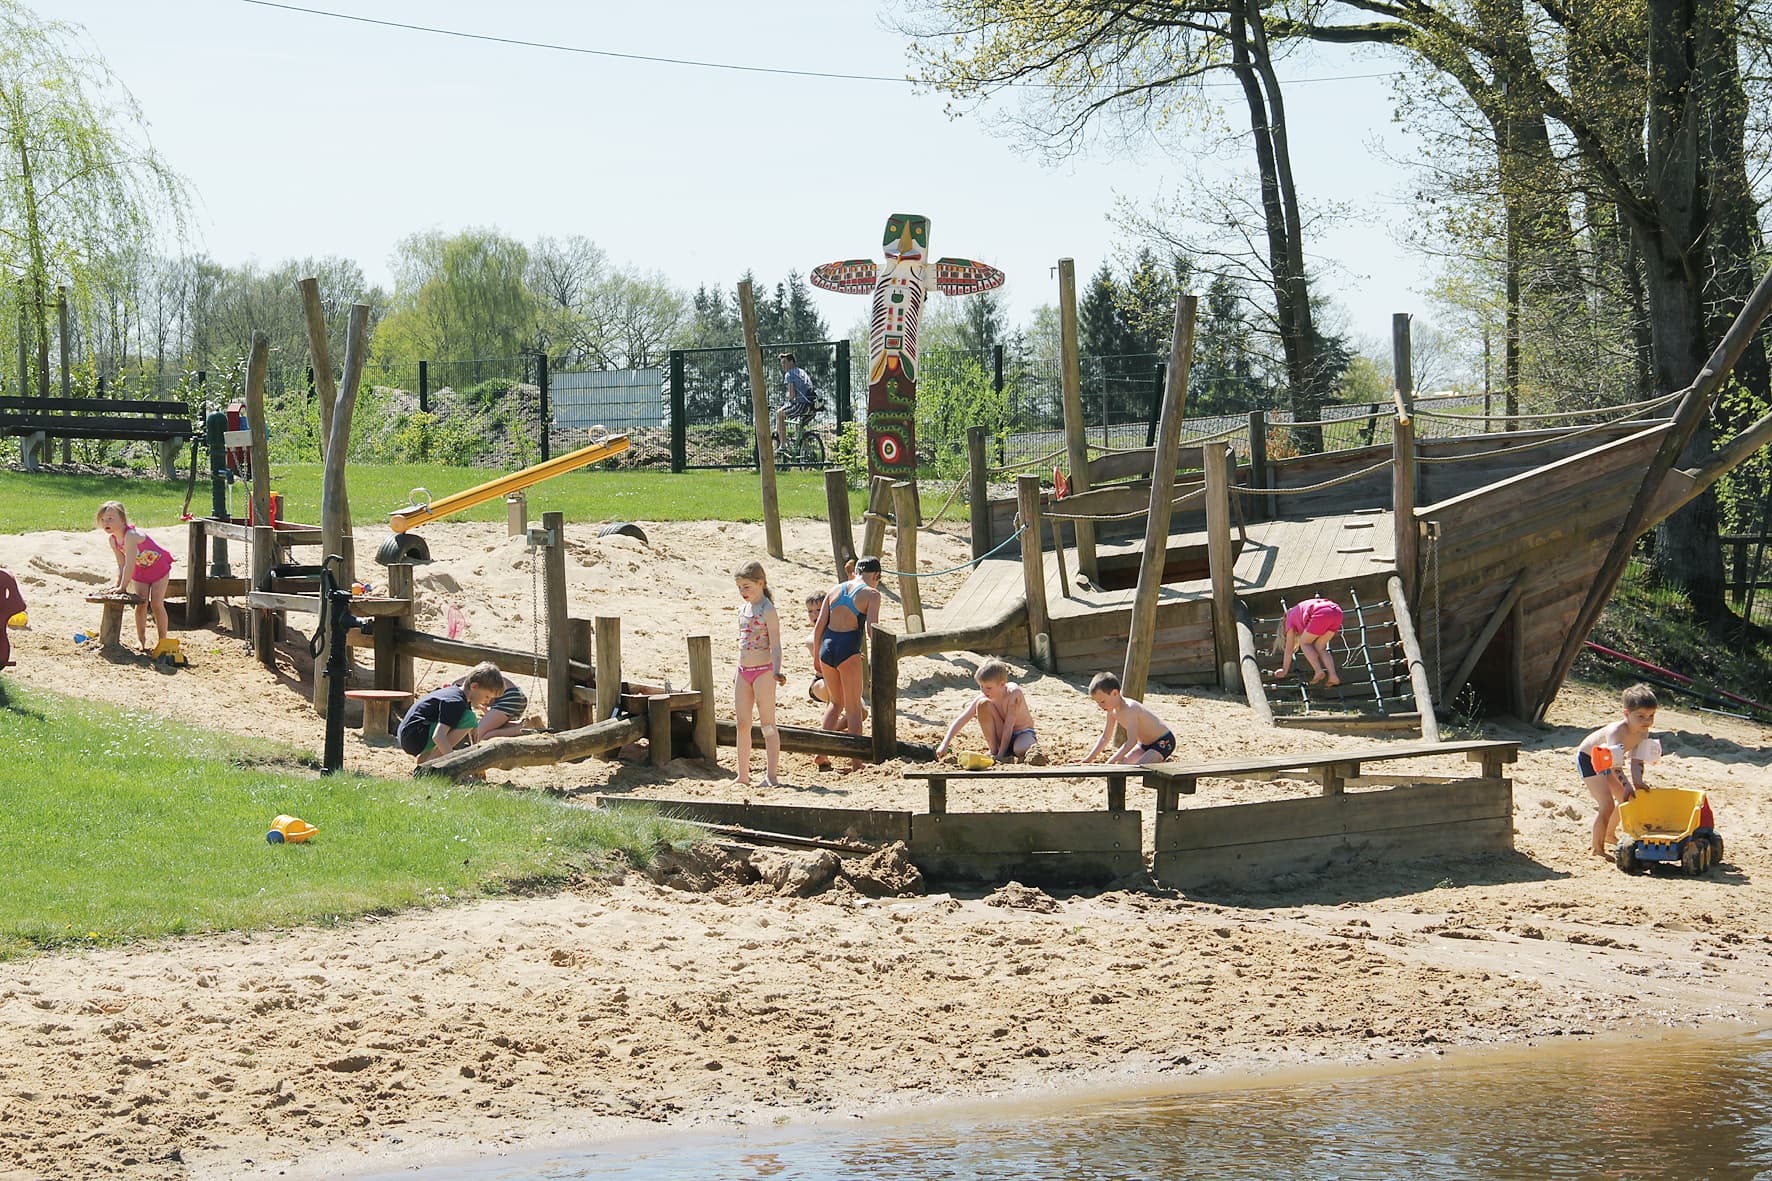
{"x": 899, "y": 288}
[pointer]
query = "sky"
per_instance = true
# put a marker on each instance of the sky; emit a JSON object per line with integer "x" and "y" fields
{"x": 307, "y": 135}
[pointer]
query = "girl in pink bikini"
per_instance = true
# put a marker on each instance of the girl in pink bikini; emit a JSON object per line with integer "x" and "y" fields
{"x": 759, "y": 671}
{"x": 1308, "y": 628}
{"x": 143, "y": 568}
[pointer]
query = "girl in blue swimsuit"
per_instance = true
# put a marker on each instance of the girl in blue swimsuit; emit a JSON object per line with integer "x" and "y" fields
{"x": 850, "y": 610}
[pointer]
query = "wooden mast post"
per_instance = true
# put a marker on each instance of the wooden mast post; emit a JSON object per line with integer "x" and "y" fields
{"x": 978, "y": 492}
{"x": 335, "y": 531}
{"x": 1221, "y": 559}
{"x": 753, "y": 351}
{"x": 559, "y": 639}
{"x": 1027, "y": 497}
{"x": 1142, "y": 636}
{"x": 836, "y": 503}
{"x": 1076, "y": 441}
{"x": 1406, "y": 532}
{"x": 904, "y": 507}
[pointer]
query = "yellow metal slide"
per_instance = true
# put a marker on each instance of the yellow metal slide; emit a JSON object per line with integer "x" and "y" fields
{"x": 401, "y": 548}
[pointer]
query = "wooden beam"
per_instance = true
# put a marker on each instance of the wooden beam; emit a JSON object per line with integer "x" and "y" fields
{"x": 1418, "y": 679}
{"x": 1258, "y": 473}
{"x": 836, "y": 505}
{"x": 883, "y": 674}
{"x": 753, "y": 349}
{"x": 335, "y": 524}
{"x": 873, "y": 525}
{"x": 553, "y": 559}
{"x": 320, "y": 358}
{"x": 1221, "y": 560}
{"x": 701, "y": 679}
{"x": 1027, "y": 491}
{"x": 904, "y": 511}
{"x": 978, "y": 491}
{"x": 581, "y": 651}
{"x": 263, "y": 556}
{"x": 1496, "y": 618}
{"x": 1249, "y": 665}
{"x": 1406, "y": 531}
{"x": 196, "y": 575}
{"x": 608, "y": 678}
{"x": 538, "y": 750}
{"x": 1076, "y": 440}
{"x": 1156, "y": 523}
{"x": 399, "y": 578}
{"x": 989, "y": 636}
{"x": 258, "y": 361}
{"x": 658, "y": 728}
{"x": 424, "y": 646}
{"x": 807, "y": 740}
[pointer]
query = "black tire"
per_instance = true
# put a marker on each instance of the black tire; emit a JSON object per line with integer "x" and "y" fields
{"x": 812, "y": 453}
{"x": 1626, "y": 857}
{"x": 624, "y": 529}
{"x": 1716, "y": 849}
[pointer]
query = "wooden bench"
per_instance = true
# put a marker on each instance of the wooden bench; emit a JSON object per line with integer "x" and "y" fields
{"x": 1116, "y": 775}
{"x": 377, "y": 707}
{"x": 1331, "y": 768}
{"x": 35, "y": 421}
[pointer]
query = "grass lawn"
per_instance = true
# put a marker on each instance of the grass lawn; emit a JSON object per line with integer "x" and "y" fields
{"x": 49, "y": 500}
{"x": 121, "y": 826}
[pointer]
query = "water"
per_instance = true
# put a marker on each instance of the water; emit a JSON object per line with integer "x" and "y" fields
{"x": 1674, "y": 1107}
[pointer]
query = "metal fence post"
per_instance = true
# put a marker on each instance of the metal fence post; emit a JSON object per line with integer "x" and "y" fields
{"x": 424, "y": 387}
{"x": 845, "y": 412}
{"x": 541, "y": 379}
{"x": 679, "y": 429}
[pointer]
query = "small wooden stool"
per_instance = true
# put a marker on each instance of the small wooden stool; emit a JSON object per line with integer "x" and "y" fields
{"x": 376, "y": 706}
{"x": 110, "y": 628}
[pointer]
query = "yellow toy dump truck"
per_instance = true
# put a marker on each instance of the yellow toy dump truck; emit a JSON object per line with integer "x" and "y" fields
{"x": 1667, "y": 826}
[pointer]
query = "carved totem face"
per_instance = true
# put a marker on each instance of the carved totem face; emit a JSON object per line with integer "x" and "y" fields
{"x": 906, "y": 237}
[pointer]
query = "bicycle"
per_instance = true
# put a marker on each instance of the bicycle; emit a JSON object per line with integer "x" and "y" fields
{"x": 804, "y": 446}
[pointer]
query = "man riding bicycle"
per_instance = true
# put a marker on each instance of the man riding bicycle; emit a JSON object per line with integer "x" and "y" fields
{"x": 800, "y": 404}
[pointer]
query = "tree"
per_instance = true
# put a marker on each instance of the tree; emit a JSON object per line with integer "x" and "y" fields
{"x": 78, "y": 178}
{"x": 459, "y": 298}
{"x": 1141, "y": 63}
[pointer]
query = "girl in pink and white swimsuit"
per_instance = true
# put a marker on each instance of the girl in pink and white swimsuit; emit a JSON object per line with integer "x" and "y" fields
{"x": 759, "y": 671}
{"x": 143, "y": 569}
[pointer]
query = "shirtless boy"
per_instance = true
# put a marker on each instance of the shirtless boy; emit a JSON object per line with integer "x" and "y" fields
{"x": 1002, "y": 712}
{"x": 1148, "y": 740}
{"x": 1608, "y": 787}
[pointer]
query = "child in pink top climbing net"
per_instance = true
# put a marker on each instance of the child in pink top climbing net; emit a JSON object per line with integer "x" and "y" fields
{"x": 1308, "y": 628}
{"x": 143, "y": 568}
{"x": 759, "y": 671}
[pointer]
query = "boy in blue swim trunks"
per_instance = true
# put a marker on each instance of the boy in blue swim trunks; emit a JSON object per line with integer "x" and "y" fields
{"x": 1003, "y": 715}
{"x": 1148, "y": 740}
{"x": 1625, "y": 742}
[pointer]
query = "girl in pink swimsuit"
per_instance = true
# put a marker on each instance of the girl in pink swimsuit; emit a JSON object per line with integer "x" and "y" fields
{"x": 143, "y": 568}
{"x": 759, "y": 671}
{"x": 1308, "y": 628}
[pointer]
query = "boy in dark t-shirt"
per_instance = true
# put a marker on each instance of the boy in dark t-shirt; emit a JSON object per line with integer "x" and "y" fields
{"x": 439, "y": 720}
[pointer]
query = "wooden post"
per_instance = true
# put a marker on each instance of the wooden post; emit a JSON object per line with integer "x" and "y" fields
{"x": 399, "y": 580}
{"x": 658, "y": 728}
{"x": 701, "y": 679}
{"x": 747, "y": 308}
{"x": 196, "y": 574}
{"x": 608, "y": 665}
{"x": 264, "y": 554}
{"x": 1027, "y": 497}
{"x": 335, "y": 526}
{"x": 836, "y": 507}
{"x": 1407, "y": 532}
{"x": 1403, "y": 456}
{"x": 904, "y": 508}
{"x": 580, "y": 649}
{"x": 1424, "y": 696}
{"x": 1076, "y": 441}
{"x": 978, "y": 492}
{"x": 873, "y": 526}
{"x": 559, "y": 640}
{"x": 883, "y": 677}
{"x": 1143, "y": 633}
{"x": 320, "y": 364}
{"x": 258, "y": 361}
{"x": 1264, "y": 506}
{"x": 1221, "y": 560}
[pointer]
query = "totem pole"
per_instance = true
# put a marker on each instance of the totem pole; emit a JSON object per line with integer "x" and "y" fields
{"x": 898, "y": 289}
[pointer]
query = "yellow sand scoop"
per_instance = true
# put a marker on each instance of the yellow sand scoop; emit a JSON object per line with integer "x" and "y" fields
{"x": 407, "y": 547}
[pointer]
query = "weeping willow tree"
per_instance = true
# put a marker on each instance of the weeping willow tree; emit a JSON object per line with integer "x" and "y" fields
{"x": 80, "y": 185}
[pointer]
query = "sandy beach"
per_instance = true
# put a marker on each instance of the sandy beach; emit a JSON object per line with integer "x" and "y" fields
{"x": 614, "y": 1007}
